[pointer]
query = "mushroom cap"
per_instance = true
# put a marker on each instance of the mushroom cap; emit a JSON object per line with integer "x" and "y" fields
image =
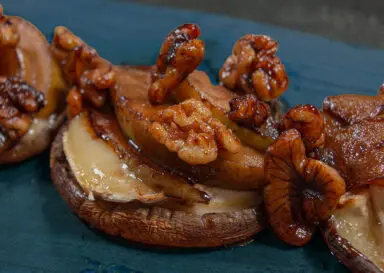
{"x": 345, "y": 252}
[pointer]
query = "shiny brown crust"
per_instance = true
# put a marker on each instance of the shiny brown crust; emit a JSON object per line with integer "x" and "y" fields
{"x": 346, "y": 253}
{"x": 151, "y": 225}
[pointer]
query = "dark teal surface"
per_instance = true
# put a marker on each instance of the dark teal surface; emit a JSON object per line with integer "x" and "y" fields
{"x": 38, "y": 233}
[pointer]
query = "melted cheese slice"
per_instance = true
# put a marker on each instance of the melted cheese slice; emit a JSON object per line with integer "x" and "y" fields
{"x": 98, "y": 168}
{"x": 361, "y": 222}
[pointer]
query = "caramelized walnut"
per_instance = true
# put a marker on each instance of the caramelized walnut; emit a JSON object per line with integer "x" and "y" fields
{"x": 180, "y": 54}
{"x": 190, "y": 130}
{"x": 253, "y": 68}
{"x": 8, "y": 31}
{"x": 83, "y": 68}
{"x": 249, "y": 111}
{"x": 301, "y": 192}
{"x": 74, "y": 102}
{"x": 17, "y": 102}
{"x": 308, "y": 121}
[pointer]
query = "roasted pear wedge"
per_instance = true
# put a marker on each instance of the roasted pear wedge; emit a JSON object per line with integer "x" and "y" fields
{"x": 121, "y": 193}
{"x": 241, "y": 170}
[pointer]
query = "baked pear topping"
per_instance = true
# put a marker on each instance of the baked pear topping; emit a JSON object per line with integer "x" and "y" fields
{"x": 243, "y": 170}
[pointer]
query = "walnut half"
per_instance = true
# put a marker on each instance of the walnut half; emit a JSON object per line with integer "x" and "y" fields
{"x": 90, "y": 75}
{"x": 308, "y": 120}
{"x": 253, "y": 68}
{"x": 180, "y": 54}
{"x": 302, "y": 192}
{"x": 190, "y": 130}
{"x": 249, "y": 111}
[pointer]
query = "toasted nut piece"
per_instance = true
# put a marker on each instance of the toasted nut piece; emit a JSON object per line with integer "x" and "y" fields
{"x": 83, "y": 68}
{"x": 75, "y": 103}
{"x": 217, "y": 98}
{"x": 180, "y": 54}
{"x": 190, "y": 130}
{"x": 308, "y": 121}
{"x": 253, "y": 68}
{"x": 248, "y": 110}
{"x": 18, "y": 101}
{"x": 301, "y": 192}
{"x": 9, "y": 35}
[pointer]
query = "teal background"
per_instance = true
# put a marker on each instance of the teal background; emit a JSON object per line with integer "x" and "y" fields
{"x": 38, "y": 233}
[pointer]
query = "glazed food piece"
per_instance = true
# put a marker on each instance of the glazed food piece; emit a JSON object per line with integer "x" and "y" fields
{"x": 242, "y": 169}
{"x": 32, "y": 90}
{"x": 89, "y": 75}
{"x": 252, "y": 55}
{"x": 179, "y": 55}
{"x": 18, "y": 101}
{"x": 121, "y": 175}
{"x": 193, "y": 143}
{"x": 302, "y": 192}
{"x": 354, "y": 146}
{"x": 326, "y": 169}
{"x": 168, "y": 223}
{"x": 229, "y": 217}
{"x": 108, "y": 181}
{"x": 221, "y": 102}
{"x": 354, "y": 138}
{"x": 254, "y": 68}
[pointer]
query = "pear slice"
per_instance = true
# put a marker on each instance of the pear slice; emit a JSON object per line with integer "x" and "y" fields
{"x": 243, "y": 170}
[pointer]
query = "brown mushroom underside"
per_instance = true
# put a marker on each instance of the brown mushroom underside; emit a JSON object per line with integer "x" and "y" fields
{"x": 154, "y": 225}
{"x": 346, "y": 253}
{"x": 35, "y": 141}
